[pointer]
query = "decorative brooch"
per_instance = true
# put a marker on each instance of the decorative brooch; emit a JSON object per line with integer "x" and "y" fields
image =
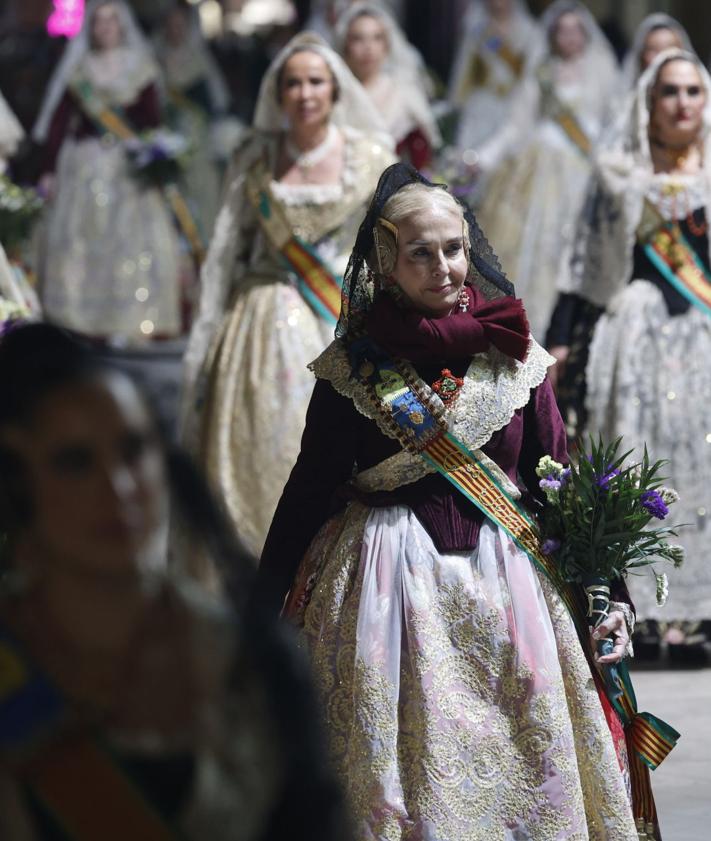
{"x": 448, "y": 388}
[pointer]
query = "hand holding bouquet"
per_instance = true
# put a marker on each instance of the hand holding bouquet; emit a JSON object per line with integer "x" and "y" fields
{"x": 158, "y": 157}
{"x": 600, "y": 523}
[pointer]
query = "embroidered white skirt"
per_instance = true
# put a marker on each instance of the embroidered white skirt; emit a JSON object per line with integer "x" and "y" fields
{"x": 458, "y": 700}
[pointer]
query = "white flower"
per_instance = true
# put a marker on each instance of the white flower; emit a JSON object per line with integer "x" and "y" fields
{"x": 676, "y": 554}
{"x": 635, "y": 474}
{"x": 548, "y": 467}
{"x": 662, "y": 587}
{"x": 669, "y": 495}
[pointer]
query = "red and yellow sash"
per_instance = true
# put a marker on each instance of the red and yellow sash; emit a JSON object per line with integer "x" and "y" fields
{"x": 669, "y": 250}
{"x": 112, "y": 123}
{"x": 319, "y": 286}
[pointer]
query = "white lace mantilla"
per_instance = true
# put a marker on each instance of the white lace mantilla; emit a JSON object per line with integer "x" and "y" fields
{"x": 495, "y": 386}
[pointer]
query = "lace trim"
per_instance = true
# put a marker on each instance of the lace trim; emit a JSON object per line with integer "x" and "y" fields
{"x": 675, "y": 196}
{"x": 495, "y": 386}
{"x": 294, "y": 195}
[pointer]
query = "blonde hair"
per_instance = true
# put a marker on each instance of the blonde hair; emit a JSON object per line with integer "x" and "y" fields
{"x": 407, "y": 202}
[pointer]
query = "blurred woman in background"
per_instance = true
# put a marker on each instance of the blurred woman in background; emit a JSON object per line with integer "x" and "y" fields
{"x": 633, "y": 333}
{"x": 393, "y": 74}
{"x": 656, "y": 33}
{"x": 197, "y": 97}
{"x": 110, "y": 262}
{"x": 497, "y": 39}
{"x": 271, "y": 283}
{"x": 536, "y": 168}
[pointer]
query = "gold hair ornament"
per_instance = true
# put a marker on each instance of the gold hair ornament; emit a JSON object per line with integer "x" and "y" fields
{"x": 385, "y": 253}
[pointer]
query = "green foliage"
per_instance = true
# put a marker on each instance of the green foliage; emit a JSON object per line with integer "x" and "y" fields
{"x": 19, "y": 209}
{"x": 600, "y": 514}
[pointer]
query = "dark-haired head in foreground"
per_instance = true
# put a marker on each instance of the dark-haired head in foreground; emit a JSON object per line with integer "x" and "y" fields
{"x": 85, "y": 479}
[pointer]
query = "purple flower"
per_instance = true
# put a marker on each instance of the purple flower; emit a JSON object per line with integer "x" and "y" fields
{"x": 654, "y": 504}
{"x": 564, "y": 476}
{"x": 550, "y": 483}
{"x": 549, "y": 546}
{"x": 603, "y": 482}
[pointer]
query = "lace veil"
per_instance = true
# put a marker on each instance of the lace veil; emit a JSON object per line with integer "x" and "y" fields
{"x": 623, "y": 176}
{"x": 353, "y": 108}
{"x": 659, "y": 20}
{"x": 358, "y": 284}
{"x": 79, "y": 49}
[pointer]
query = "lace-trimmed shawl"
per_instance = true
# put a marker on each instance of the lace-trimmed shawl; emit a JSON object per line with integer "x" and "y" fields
{"x": 623, "y": 177}
{"x": 495, "y": 386}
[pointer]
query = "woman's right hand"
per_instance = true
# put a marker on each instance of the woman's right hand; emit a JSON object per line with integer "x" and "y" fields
{"x": 556, "y": 372}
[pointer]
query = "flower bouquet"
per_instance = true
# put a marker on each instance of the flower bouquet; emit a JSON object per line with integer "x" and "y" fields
{"x": 19, "y": 209}
{"x": 157, "y": 157}
{"x": 457, "y": 170}
{"x": 599, "y": 524}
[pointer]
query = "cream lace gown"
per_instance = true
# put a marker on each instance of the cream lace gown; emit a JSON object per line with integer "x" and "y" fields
{"x": 255, "y": 387}
{"x": 458, "y": 700}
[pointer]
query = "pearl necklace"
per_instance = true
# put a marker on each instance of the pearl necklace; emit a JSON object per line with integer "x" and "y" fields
{"x": 308, "y": 159}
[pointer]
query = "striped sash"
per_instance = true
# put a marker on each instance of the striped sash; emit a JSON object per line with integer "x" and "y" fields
{"x": 318, "y": 285}
{"x": 670, "y": 252}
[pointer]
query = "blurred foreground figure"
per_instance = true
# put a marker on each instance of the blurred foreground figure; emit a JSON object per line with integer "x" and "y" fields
{"x": 110, "y": 262}
{"x": 633, "y": 334}
{"x": 458, "y": 697}
{"x": 394, "y": 76}
{"x": 498, "y": 37}
{"x": 131, "y": 707}
{"x": 270, "y": 295}
{"x": 537, "y": 166}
